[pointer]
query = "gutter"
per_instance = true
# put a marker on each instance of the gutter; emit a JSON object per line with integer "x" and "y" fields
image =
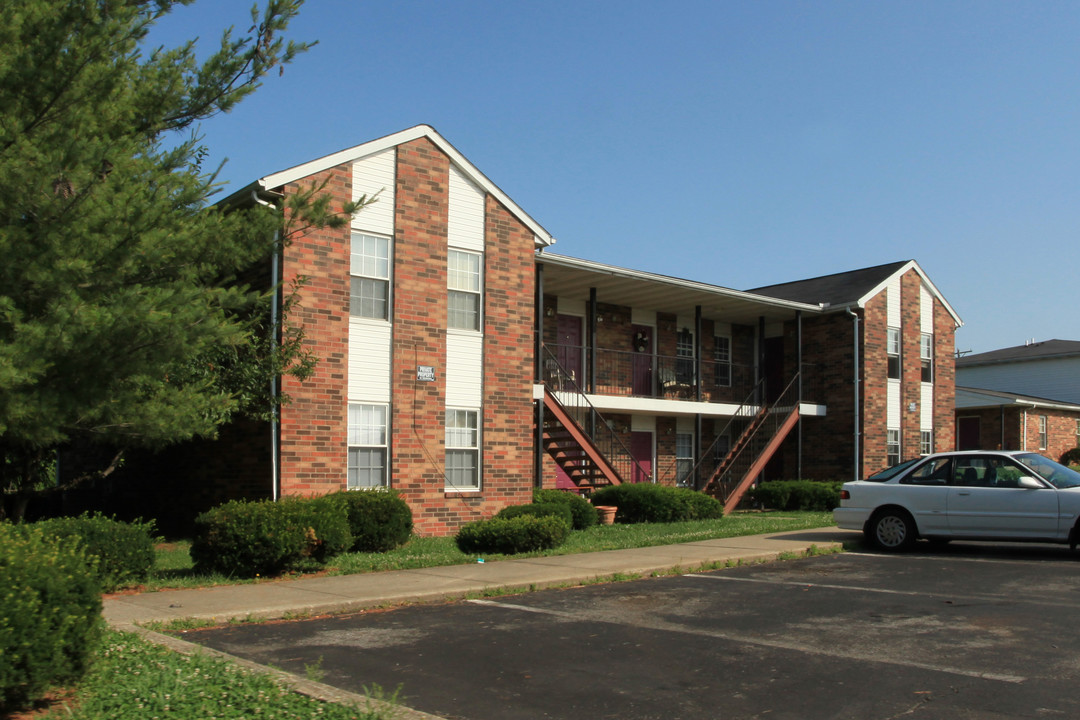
{"x": 275, "y": 270}
{"x": 855, "y": 316}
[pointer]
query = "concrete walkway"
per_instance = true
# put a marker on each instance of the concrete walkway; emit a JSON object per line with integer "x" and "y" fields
{"x": 345, "y": 593}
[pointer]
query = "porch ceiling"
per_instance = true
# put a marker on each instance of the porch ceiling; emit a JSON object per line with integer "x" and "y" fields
{"x": 573, "y": 279}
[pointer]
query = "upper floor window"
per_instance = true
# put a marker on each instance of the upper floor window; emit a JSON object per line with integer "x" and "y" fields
{"x": 684, "y": 351}
{"x": 926, "y": 356}
{"x": 892, "y": 350}
{"x": 369, "y": 288}
{"x": 367, "y": 446}
{"x": 463, "y": 283}
{"x": 722, "y": 359}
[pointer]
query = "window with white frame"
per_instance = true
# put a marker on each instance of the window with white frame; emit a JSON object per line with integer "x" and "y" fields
{"x": 1078, "y": 433}
{"x": 684, "y": 351}
{"x": 684, "y": 458}
{"x": 462, "y": 450}
{"x": 722, "y": 358}
{"x": 464, "y": 282}
{"x": 369, "y": 287}
{"x": 1042, "y": 432}
{"x": 367, "y": 446}
{"x": 926, "y": 442}
{"x": 926, "y": 356}
{"x": 892, "y": 447}
{"x": 892, "y": 350}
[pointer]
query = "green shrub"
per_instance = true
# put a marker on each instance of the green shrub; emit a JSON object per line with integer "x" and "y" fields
{"x": 124, "y": 551}
{"x": 1070, "y": 457}
{"x": 50, "y": 613}
{"x": 649, "y": 503}
{"x": 583, "y": 512}
{"x": 508, "y": 536}
{"x": 797, "y": 495}
{"x": 559, "y": 510}
{"x": 379, "y": 520}
{"x": 267, "y": 538}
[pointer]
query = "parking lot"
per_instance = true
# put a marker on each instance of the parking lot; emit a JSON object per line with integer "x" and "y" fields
{"x": 970, "y": 630}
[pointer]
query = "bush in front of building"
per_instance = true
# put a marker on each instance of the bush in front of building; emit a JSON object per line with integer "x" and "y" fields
{"x": 124, "y": 551}
{"x": 583, "y": 512}
{"x": 249, "y": 538}
{"x": 544, "y": 509}
{"x": 1070, "y": 457}
{"x": 379, "y": 520}
{"x": 650, "y": 503}
{"x": 50, "y": 613}
{"x": 797, "y": 495}
{"x": 509, "y": 536}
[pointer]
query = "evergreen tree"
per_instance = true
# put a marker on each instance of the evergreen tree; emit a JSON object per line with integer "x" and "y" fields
{"x": 123, "y": 320}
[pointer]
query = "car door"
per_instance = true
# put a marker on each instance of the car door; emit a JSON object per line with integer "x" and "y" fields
{"x": 924, "y": 493}
{"x": 985, "y": 500}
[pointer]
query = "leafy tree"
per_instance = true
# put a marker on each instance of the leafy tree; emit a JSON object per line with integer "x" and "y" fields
{"x": 124, "y": 318}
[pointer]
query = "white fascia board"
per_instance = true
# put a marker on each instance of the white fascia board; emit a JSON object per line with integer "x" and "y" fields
{"x": 969, "y": 399}
{"x": 644, "y": 276}
{"x": 861, "y": 302}
{"x": 542, "y": 237}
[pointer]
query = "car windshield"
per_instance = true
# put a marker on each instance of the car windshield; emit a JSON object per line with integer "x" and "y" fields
{"x": 1056, "y": 474}
{"x": 892, "y": 472}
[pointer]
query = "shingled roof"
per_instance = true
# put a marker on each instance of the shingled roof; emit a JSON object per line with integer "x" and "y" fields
{"x": 1032, "y": 351}
{"x": 845, "y": 288}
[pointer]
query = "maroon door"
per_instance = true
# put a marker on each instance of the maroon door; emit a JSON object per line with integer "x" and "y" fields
{"x": 967, "y": 433}
{"x": 641, "y": 450}
{"x": 774, "y": 368}
{"x": 569, "y": 350}
{"x": 643, "y": 360}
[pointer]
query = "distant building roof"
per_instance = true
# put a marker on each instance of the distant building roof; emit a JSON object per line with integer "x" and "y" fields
{"x": 1021, "y": 353}
{"x": 968, "y": 398}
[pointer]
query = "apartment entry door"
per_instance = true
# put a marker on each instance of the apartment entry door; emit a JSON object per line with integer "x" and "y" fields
{"x": 569, "y": 350}
{"x": 641, "y": 447}
{"x": 642, "y": 360}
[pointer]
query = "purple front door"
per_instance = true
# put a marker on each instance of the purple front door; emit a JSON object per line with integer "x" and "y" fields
{"x": 641, "y": 450}
{"x": 568, "y": 350}
{"x": 643, "y": 360}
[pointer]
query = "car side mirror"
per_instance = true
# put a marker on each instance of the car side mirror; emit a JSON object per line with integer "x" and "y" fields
{"x": 1029, "y": 483}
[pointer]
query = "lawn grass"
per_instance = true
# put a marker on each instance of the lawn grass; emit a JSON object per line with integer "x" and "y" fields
{"x": 174, "y": 570}
{"x": 134, "y": 679}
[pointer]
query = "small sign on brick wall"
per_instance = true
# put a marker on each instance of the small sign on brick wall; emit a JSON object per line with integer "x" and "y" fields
{"x": 425, "y": 373}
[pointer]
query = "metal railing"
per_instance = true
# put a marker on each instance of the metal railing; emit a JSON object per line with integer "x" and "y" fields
{"x": 605, "y": 438}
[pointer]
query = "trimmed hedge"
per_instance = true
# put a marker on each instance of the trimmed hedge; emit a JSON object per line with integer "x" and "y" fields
{"x": 267, "y": 538}
{"x": 50, "y": 613}
{"x": 650, "y": 503}
{"x": 583, "y": 512}
{"x": 379, "y": 520}
{"x": 124, "y": 551}
{"x": 797, "y": 495}
{"x": 1070, "y": 457}
{"x": 509, "y": 536}
{"x": 550, "y": 509}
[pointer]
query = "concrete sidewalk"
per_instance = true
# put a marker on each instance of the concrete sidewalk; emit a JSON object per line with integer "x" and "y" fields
{"x": 319, "y": 595}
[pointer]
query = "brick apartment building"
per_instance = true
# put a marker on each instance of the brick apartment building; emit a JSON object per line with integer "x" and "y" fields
{"x": 463, "y": 364}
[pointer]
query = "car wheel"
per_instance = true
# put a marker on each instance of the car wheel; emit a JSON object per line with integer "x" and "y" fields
{"x": 892, "y": 530}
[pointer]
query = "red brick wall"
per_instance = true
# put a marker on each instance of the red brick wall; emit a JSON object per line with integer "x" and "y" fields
{"x": 313, "y": 425}
{"x": 944, "y": 379}
{"x": 1061, "y": 429}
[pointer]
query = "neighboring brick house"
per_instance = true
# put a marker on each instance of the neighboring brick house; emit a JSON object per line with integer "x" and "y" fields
{"x": 1020, "y": 398}
{"x": 463, "y": 365}
{"x": 905, "y": 373}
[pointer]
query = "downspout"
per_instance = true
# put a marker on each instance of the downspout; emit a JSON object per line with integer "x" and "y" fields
{"x": 538, "y": 460}
{"x": 1023, "y": 437}
{"x": 275, "y": 270}
{"x": 855, "y": 316}
{"x": 799, "y": 369}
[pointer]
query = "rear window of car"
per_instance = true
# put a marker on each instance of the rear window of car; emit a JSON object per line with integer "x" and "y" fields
{"x": 891, "y": 472}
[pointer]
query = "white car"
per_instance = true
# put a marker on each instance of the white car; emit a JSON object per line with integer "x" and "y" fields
{"x": 983, "y": 495}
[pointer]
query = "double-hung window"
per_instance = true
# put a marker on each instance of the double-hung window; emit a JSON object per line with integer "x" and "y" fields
{"x": 722, "y": 359}
{"x": 926, "y": 356}
{"x": 1042, "y": 432}
{"x": 369, "y": 287}
{"x": 892, "y": 447}
{"x": 464, "y": 282}
{"x": 926, "y": 442}
{"x": 892, "y": 350}
{"x": 367, "y": 446}
{"x": 684, "y": 459}
{"x": 684, "y": 351}
{"x": 462, "y": 450}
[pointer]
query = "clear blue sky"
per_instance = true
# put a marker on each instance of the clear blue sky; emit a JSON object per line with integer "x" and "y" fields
{"x": 736, "y": 143}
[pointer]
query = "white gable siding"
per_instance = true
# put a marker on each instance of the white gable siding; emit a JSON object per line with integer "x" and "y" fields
{"x": 926, "y": 407}
{"x": 892, "y": 302}
{"x": 465, "y": 220}
{"x": 926, "y": 309}
{"x": 369, "y": 361}
{"x": 1052, "y": 379}
{"x": 464, "y": 367}
{"x": 892, "y": 406}
{"x": 375, "y": 174}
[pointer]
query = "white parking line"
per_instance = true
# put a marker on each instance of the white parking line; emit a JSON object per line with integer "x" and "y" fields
{"x": 760, "y": 642}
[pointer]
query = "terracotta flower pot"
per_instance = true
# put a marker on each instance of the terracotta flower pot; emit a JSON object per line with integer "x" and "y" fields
{"x": 607, "y": 514}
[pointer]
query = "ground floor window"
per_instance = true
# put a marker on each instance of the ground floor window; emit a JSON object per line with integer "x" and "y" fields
{"x": 892, "y": 447}
{"x": 926, "y": 442}
{"x": 684, "y": 459}
{"x": 462, "y": 450}
{"x": 367, "y": 446}
{"x": 1042, "y": 432}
